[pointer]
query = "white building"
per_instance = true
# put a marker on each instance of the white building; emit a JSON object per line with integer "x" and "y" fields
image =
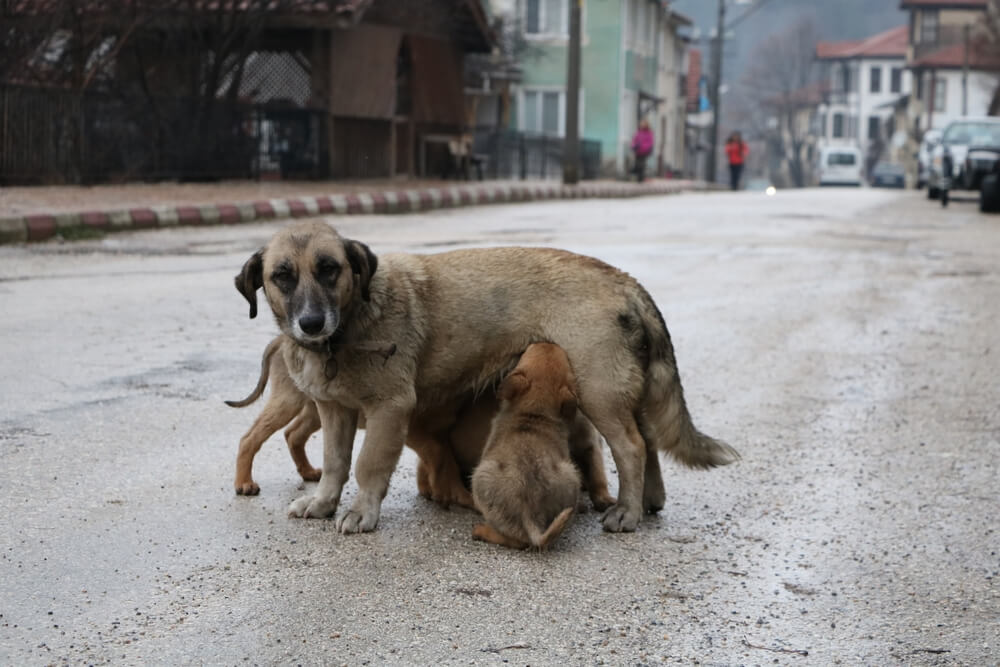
{"x": 866, "y": 79}
{"x": 943, "y": 39}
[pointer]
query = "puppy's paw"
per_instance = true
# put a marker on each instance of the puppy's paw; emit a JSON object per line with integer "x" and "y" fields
{"x": 311, "y": 474}
{"x": 249, "y": 488}
{"x": 620, "y": 519}
{"x": 311, "y": 507}
{"x": 602, "y": 501}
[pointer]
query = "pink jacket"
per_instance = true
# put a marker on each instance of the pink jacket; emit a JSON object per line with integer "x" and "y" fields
{"x": 642, "y": 142}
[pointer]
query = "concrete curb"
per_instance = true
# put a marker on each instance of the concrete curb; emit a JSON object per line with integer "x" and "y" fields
{"x": 42, "y": 226}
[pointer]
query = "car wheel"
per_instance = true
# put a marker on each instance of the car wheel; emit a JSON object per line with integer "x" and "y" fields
{"x": 932, "y": 192}
{"x": 989, "y": 194}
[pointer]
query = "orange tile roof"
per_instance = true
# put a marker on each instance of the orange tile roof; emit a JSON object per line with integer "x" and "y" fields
{"x": 980, "y": 56}
{"x": 944, "y": 4}
{"x": 891, "y": 43}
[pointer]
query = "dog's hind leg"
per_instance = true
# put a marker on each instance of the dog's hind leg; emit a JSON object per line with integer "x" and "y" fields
{"x": 276, "y": 413}
{"x": 653, "y": 494}
{"x": 629, "y": 452}
{"x": 297, "y": 435}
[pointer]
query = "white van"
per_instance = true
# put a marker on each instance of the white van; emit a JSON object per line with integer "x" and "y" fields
{"x": 839, "y": 165}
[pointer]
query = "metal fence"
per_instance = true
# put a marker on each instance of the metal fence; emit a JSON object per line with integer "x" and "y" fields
{"x": 56, "y": 136}
{"x": 511, "y": 154}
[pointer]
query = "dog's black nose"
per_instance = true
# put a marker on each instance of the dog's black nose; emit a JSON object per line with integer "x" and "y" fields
{"x": 312, "y": 324}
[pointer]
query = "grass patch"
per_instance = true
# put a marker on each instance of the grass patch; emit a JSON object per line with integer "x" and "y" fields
{"x": 81, "y": 233}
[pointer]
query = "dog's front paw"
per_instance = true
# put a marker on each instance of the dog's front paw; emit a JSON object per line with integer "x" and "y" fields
{"x": 361, "y": 518}
{"x": 311, "y": 507}
{"x": 620, "y": 519}
{"x": 356, "y": 522}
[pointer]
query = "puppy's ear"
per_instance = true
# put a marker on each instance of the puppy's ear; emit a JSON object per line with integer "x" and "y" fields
{"x": 363, "y": 263}
{"x": 567, "y": 402}
{"x": 251, "y": 279}
{"x": 516, "y": 384}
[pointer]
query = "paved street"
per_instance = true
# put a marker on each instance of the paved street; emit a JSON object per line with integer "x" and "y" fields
{"x": 845, "y": 341}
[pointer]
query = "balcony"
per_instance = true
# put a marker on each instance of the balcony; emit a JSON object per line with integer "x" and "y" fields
{"x": 948, "y": 35}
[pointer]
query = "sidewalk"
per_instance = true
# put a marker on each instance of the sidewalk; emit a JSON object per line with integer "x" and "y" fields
{"x": 39, "y": 213}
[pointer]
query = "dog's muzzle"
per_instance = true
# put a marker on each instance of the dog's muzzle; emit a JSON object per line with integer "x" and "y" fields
{"x": 313, "y": 327}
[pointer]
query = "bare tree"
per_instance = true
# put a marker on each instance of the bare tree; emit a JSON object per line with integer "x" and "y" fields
{"x": 986, "y": 47}
{"x": 778, "y": 86}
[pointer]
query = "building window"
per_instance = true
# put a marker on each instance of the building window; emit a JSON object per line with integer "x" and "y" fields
{"x": 874, "y": 128}
{"x": 838, "y": 126}
{"x": 940, "y": 93}
{"x": 929, "y": 26}
{"x": 543, "y": 111}
{"x": 845, "y": 78}
{"x": 875, "y": 80}
{"x": 896, "y": 80}
{"x": 546, "y": 17}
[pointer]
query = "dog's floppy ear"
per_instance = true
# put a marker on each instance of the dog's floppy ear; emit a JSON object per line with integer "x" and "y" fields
{"x": 513, "y": 386}
{"x": 251, "y": 279}
{"x": 567, "y": 402}
{"x": 363, "y": 263}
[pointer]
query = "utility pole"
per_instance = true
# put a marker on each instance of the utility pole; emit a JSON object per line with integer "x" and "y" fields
{"x": 571, "y": 143}
{"x": 965, "y": 71}
{"x": 717, "y": 51}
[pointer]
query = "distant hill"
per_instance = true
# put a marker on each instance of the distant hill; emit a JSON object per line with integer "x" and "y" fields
{"x": 834, "y": 20}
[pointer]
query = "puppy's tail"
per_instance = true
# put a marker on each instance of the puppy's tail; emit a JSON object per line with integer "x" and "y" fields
{"x": 541, "y": 540}
{"x": 663, "y": 417}
{"x": 265, "y": 370}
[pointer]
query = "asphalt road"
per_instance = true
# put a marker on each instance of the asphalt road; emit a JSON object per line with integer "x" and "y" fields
{"x": 845, "y": 341}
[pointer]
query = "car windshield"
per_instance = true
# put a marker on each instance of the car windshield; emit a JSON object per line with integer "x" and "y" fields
{"x": 972, "y": 133}
{"x": 841, "y": 160}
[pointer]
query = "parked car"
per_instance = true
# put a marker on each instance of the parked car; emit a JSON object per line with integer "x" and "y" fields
{"x": 839, "y": 165}
{"x": 888, "y": 175}
{"x": 931, "y": 139}
{"x": 948, "y": 162}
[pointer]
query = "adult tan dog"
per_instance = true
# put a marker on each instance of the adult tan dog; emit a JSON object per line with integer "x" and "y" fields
{"x": 525, "y": 485}
{"x": 459, "y": 321}
{"x": 443, "y": 445}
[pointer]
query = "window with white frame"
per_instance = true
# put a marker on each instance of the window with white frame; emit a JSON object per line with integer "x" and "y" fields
{"x": 940, "y": 93}
{"x": 543, "y": 111}
{"x": 838, "y": 126}
{"x": 896, "y": 80}
{"x": 546, "y": 17}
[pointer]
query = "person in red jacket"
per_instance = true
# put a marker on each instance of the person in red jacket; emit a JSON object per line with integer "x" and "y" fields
{"x": 736, "y": 152}
{"x": 642, "y": 145}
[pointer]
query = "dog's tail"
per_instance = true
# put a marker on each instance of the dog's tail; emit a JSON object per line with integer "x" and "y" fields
{"x": 265, "y": 370}
{"x": 541, "y": 540}
{"x": 663, "y": 417}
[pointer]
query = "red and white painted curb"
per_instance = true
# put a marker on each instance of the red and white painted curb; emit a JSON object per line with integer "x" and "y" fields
{"x": 42, "y": 226}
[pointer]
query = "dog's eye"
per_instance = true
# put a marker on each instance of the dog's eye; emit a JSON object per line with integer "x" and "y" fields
{"x": 327, "y": 268}
{"x": 284, "y": 278}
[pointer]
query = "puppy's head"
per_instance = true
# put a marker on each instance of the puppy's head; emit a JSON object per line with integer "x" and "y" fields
{"x": 311, "y": 276}
{"x": 542, "y": 380}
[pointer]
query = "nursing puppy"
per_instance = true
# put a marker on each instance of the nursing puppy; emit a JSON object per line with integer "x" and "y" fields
{"x": 525, "y": 486}
{"x": 459, "y": 321}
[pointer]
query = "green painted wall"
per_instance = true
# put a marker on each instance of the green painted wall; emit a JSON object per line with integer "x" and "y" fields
{"x": 545, "y": 65}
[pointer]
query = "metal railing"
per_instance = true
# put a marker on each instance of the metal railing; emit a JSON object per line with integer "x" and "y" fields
{"x": 522, "y": 155}
{"x": 58, "y": 136}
